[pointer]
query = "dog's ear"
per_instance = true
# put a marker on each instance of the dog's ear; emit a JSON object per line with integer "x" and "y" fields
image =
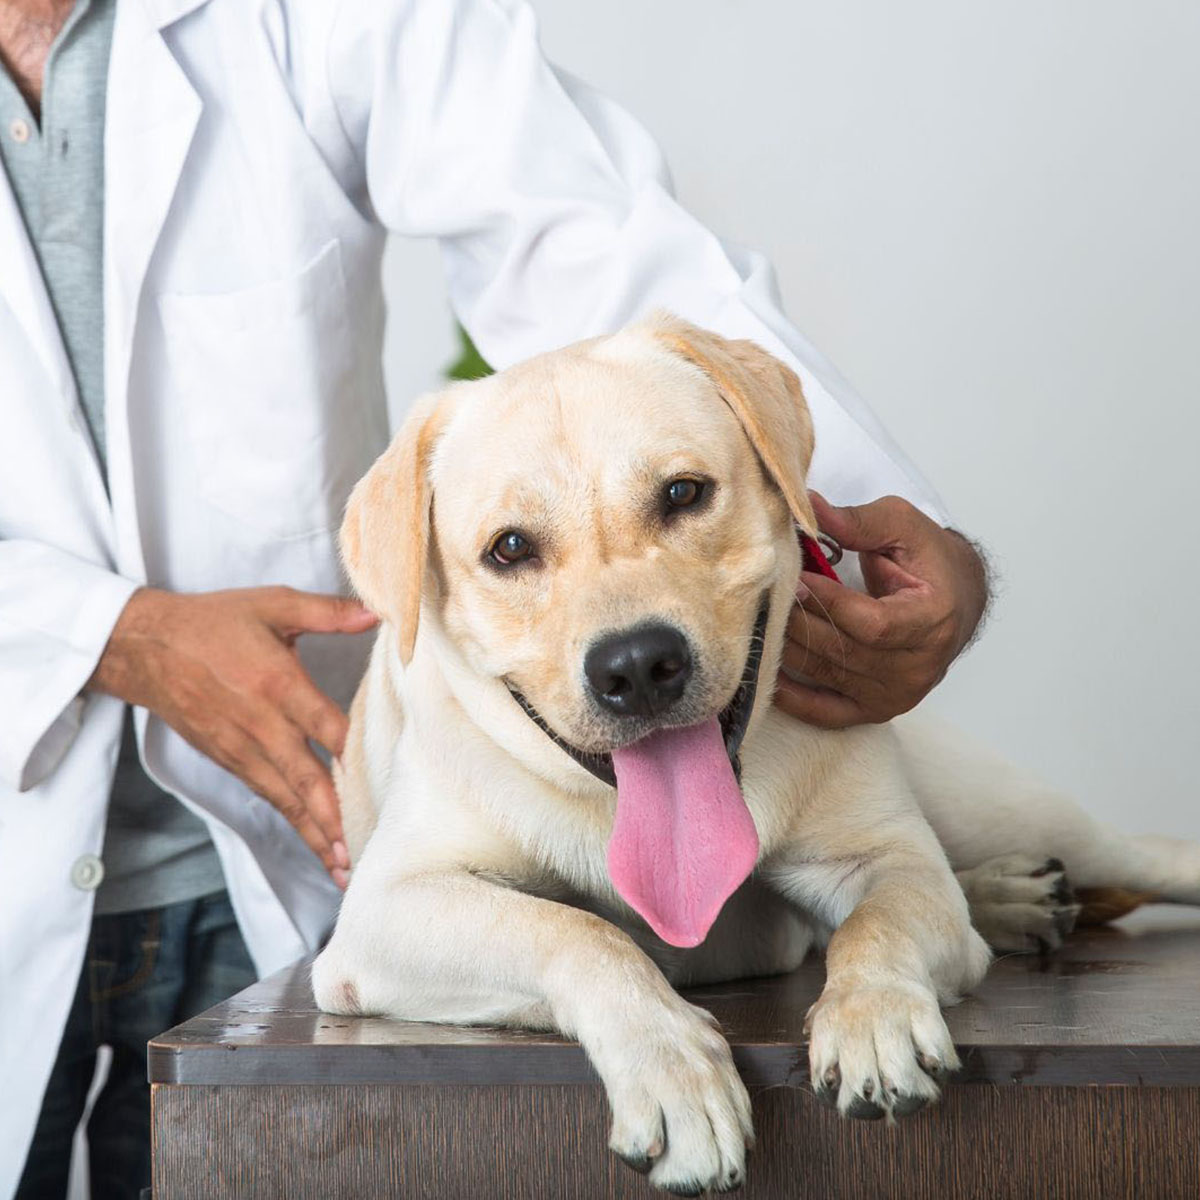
{"x": 766, "y": 397}
{"x": 385, "y": 532}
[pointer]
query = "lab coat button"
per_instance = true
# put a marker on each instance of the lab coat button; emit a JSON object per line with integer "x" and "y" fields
{"x": 87, "y": 872}
{"x": 18, "y": 130}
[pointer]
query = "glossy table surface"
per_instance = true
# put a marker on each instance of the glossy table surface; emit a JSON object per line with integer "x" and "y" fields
{"x": 1118, "y": 1005}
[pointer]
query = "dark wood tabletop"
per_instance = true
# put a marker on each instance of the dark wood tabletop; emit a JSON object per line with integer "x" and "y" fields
{"x": 1118, "y": 1005}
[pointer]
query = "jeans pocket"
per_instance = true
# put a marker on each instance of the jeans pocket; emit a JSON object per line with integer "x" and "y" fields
{"x": 124, "y": 953}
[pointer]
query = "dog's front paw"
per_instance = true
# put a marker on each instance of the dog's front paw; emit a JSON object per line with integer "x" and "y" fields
{"x": 1019, "y": 903}
{"x": 878, "y": 1050}
{"x": 680, "y": 1111}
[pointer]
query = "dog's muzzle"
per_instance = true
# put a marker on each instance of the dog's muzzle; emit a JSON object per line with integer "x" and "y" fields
{"x": 623, "y": 675}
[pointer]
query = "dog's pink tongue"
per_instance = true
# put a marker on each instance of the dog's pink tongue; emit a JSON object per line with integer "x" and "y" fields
{"x": 683, "y": 839}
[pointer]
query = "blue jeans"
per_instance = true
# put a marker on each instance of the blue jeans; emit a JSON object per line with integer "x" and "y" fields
{"x": 143, "y": 972}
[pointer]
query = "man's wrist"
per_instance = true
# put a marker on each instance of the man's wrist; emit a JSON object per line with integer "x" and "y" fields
{"x": 113, "y": 673}
{"x": 978, "y": 577}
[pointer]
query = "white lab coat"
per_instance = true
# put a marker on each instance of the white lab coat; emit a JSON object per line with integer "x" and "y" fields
{"x": 257, "y": 153}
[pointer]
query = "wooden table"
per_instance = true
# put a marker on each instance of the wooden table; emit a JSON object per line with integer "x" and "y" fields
{"x": 1081, "y": 1079}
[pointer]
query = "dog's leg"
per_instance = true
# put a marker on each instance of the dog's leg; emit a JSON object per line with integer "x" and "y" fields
{"x": 982, "y": 807}
{"x": 902, "y": 945}
{"x": 450, "y": 946}
{"x": 351, "y": 777}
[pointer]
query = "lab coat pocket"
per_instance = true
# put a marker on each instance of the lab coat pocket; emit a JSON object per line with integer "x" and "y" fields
{"x": 268, "y": 378}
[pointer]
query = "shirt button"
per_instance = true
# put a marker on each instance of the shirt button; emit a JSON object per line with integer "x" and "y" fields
{"x": 18, "y": 130}
{"x": 87, "y": 872}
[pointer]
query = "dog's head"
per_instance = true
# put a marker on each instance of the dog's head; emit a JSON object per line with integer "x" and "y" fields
{"x": 608, "y": 530}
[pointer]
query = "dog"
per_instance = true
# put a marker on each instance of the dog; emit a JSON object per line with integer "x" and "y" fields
{"x": 566, "y": 791}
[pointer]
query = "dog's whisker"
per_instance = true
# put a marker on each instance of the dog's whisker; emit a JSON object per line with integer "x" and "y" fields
{"x": 836, "y": 630}
{"x": 807, "y": 644}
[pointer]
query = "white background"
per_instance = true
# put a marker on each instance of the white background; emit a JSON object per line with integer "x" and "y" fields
{"x": 986, "y": 215}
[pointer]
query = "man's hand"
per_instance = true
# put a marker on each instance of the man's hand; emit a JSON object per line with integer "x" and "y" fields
{"x": 875, "y": 656}
{"x": 222, "y": 670}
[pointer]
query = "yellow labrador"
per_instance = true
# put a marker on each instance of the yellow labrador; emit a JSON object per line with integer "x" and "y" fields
{"x": 566, "y": 788}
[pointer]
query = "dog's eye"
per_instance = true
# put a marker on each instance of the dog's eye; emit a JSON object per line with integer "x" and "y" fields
{"x": 684, "y": 493}
{"x": 510, "y": 547}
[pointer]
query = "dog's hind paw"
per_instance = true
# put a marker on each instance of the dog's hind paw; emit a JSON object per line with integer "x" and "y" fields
{"x": 1021, "y": 904}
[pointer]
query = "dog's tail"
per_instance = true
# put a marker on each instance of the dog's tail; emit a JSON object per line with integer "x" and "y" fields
{"x": 1098, "y": 906}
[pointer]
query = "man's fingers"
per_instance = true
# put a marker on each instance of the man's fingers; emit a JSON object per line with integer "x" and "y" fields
{"x": 875, "y": 621}
{"x": 865, "y": 689}
{"x": 874, "y": 526}
{"x": 308, "y": 799}
{"x": 315, "y": 714}
{"x": 252, "y": 766}
{"x": 290, "y": 613}
{"x": 287, "y": 686}
{"x": 800, "y": 660}
{"x": 812, "y": 637}
{"x": 818, "y": 706}
{"x": 298, "y": 801}
{"x": 309, "y": 781}
{"x": 884, "y": 576}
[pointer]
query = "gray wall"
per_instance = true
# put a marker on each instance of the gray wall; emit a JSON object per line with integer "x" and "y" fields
{"x": 986, "y": 216}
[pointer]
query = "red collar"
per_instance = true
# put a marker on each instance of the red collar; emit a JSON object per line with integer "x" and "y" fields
{"x": 815, "y": 558}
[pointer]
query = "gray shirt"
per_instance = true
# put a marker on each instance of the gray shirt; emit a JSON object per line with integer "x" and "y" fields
{"x": 155, "y": 851}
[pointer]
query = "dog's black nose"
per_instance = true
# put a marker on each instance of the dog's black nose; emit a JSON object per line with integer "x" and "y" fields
{"x": 640, "y": 672}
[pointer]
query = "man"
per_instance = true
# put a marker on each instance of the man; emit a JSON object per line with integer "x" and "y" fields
{"x": 194, "y": 203}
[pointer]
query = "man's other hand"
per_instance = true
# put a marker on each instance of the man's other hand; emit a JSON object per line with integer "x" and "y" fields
{"x": 874, "y": 656}
{"x": 221, "y": 669}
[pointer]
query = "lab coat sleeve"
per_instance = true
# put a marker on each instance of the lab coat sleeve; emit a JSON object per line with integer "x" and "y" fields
{"x": 555, "y": 213}
{"x": 56, "y": 614}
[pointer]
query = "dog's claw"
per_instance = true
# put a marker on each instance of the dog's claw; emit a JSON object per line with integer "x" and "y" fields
{"x": 641, "y": 1163}
{"x": 826, "y": 1088}
{"x": 1062, "y": 892}
{"x": 1050, "y": 867}
{"x": 905, "y": 1106}
{"x": 937, "y": 1070}
{"x": 862, "y": 1109}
